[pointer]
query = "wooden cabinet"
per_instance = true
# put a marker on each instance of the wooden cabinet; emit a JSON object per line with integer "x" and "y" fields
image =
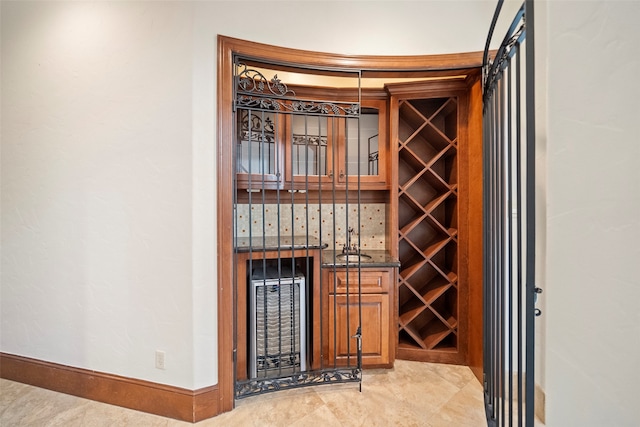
{"x": 339, "y": 151}
{"x": 429, "y": 131}
{"x": 377, "y": 320}
{"x": 312, "y": 151}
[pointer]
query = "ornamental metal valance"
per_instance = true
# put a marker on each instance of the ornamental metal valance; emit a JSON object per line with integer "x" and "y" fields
{"x": 255, "y": 91}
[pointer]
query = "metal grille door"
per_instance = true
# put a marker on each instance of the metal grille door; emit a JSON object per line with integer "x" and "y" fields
{"x": 296, "y": 223}
{"x": 509, "y": 224}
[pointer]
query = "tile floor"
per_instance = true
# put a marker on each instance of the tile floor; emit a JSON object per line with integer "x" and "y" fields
{"x": 410, "y": 394}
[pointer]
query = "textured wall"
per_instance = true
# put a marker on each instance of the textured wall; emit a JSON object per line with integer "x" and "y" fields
{"x": 96, "y": 186}
{"x": 593, "y": 214}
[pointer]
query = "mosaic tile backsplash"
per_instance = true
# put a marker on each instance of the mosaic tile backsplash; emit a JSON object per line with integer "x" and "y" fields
{"x": 317, "y": 220}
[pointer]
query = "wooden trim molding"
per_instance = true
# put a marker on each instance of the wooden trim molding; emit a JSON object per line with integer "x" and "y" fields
{"x": 159, "y": 399}
{"x": 475, "y": 247}
{"x": 374, "y": 66}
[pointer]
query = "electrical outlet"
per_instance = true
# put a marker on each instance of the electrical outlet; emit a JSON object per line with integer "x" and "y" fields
{"x": 159, "y": 359}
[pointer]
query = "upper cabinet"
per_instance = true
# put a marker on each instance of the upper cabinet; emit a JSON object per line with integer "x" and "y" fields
{"x": 314, "y": 152}
{"x": 344, "y": 152}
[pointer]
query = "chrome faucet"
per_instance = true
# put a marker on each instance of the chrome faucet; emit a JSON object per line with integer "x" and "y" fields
{"x": 350, "y": 248}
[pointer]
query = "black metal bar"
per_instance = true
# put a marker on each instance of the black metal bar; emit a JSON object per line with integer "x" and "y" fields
{"x": 264, "y": 266}
{"x": 492, "y": 257}
{"x": 492, "y": 28}
{"x": 499, "y": 261}
{"x": 345, "y": 174}
{"x": 485, "y": 250}
{"x": 488, "y": 267}
{"x": 531, "y": 224}
{"x": 293, "y": 205}
{"x": 359, "y": 157}
{"x": 509, "y": 212}
{"x": 499, "y": 256}
{"x": 306, "y": 188}
{"x": 519, "y": 231}
{"x": 320, "y": 236}
{"x": 334, "y": 234}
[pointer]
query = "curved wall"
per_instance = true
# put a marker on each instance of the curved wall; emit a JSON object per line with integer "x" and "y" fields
{"x": 108, "y": 164}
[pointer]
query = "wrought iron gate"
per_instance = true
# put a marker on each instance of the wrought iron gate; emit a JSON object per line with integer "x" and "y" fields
{"x": 509, "y": 223}
{"x": 297, "y": 221}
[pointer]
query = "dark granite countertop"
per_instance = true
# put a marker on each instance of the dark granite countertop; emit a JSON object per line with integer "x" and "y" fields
{"x": 330, "y": 258}
{"x": 273, "y": 243}
{"x": 379, "y": 258}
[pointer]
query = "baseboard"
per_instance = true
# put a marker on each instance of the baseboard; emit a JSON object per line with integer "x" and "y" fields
{"x": 159, "y": 399}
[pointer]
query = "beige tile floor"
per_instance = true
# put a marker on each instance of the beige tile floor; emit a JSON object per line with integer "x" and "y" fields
{"x": 410, "y": 394}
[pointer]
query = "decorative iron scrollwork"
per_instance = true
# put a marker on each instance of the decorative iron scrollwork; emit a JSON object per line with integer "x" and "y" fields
{"x": 257, "y": 130}
{"x": 309, "y": 140}
{"x": 259, "y": 386}
{"x": 255, "y": 91}
{"x": 493, "y": 69}
{"x": 253, "y": 81}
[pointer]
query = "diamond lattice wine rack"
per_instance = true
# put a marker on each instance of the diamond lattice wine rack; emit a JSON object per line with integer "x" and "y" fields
{"x": 427, "y": 137}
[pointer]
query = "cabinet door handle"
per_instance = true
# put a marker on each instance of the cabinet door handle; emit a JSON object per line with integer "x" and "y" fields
{"x": 341, "y": 175}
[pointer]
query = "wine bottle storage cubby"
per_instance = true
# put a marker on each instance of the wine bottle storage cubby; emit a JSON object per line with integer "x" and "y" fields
{"x": 427, "y": 138}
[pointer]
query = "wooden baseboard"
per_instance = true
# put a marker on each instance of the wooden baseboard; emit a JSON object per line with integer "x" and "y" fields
{"x": 159, "y": 399}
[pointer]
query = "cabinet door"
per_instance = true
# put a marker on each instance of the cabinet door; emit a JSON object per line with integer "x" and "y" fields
{"x": 310, "y": 151}
{"x": 259, "y": 149}
{"x": 338, "y": 151}
{"x": 363, "y": 151}
{"x": 344, "y": 315}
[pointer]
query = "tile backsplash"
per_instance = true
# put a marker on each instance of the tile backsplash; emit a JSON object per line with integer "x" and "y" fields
{"x": 318, "y": 220}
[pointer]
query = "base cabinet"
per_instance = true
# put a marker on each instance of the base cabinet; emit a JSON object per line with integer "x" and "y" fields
{"x": 374, "y": 313}
{"x": 375, "y": 329}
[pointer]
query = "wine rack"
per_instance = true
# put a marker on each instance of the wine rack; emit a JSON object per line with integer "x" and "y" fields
{"x": 428, "y": 294}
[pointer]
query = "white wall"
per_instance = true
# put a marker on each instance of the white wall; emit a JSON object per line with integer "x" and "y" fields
{"x": 593, "y": 214}
{"x": 96, "y": 186}
{"x": 108, "y": 163}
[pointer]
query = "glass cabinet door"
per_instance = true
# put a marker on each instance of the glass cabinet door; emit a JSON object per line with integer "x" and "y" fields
{"x": 364, "y": 149}
{"x": 361, "y": 152}
{"x": 310, "y": 150}
{"x": 323, "y": 151}
{"x": 259, "y": 149}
